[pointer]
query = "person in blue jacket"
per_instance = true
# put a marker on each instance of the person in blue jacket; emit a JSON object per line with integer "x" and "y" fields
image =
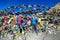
{"x": 34, "y": 23}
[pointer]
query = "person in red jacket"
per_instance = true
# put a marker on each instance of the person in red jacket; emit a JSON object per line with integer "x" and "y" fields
{"x": 6, "y": 18}
{"x": 20, "y": 23}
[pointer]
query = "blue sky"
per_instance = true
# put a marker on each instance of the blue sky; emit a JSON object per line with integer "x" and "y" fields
{"x": 6, "y": 3}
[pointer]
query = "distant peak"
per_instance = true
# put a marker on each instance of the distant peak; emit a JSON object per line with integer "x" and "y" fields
{"x": 58, "y": 3}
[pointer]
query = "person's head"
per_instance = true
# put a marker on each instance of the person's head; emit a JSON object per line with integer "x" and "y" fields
{"x": 33, "y": 15}
{"x": 16, "y": 26}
